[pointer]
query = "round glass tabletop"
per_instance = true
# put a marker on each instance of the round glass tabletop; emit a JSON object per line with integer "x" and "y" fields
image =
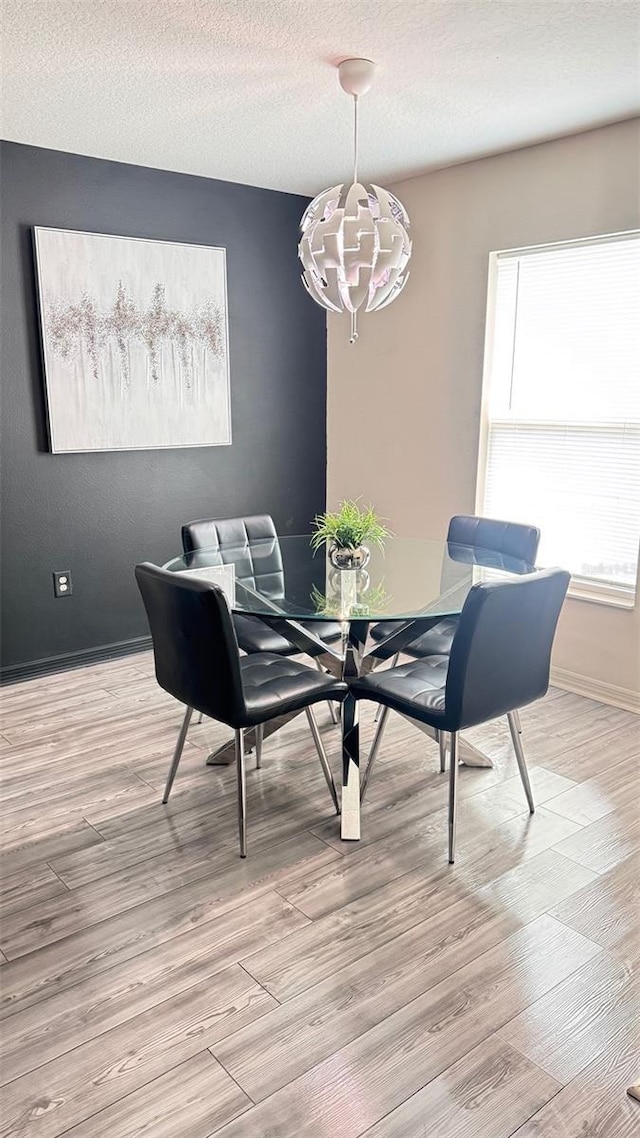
{"x": 410, "y": 577}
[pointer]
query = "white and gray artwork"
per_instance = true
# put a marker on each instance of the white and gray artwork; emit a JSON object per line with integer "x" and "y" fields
{"x": 135, "y": 342}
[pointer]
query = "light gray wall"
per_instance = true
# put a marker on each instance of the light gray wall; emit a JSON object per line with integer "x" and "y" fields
{"x": 404, "y": 403}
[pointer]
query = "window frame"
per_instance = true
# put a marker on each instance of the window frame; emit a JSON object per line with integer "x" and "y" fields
{"x": 580, "y": 588}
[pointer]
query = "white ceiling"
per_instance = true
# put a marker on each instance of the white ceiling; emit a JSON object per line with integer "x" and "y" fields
{"x": 247, "y": 90}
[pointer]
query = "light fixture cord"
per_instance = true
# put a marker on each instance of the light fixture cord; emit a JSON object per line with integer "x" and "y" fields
{"x": 355, "y": 138}
{"x": 354, "y": 317}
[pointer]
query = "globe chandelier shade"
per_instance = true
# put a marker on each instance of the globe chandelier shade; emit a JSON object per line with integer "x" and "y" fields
{"x": 355, "y": 243}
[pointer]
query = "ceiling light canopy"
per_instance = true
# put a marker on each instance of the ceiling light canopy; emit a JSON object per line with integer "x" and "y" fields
{"x": 355, "y": 243}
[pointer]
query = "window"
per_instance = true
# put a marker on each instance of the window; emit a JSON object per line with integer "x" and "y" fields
{"x": 560, "y": 436}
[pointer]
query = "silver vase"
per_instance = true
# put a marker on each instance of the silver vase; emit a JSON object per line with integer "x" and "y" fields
{"x": 348, "y": 557}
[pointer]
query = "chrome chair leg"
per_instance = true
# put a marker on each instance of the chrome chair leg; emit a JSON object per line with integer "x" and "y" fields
{"x": 516, "y": 720}
{"x": 242, "y": 792}
{"x": 522, "y": 765}
{"x": 374, "y": 750}
{"x": 453, "y": 795}
{"x": 259, "y": 730}
{"x": 177, "y": 754}
{"x": 332, "y": 710}
{"x": 322, "y": 755}
{"x": 393, "y": 664}
{"x": 199, "y": 719}
{"x": 442, "y": 743}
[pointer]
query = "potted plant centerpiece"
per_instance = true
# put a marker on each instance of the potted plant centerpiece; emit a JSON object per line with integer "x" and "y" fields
{"x": 347, "y": 530}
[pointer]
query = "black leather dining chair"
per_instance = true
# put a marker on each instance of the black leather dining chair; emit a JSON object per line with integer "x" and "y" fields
{"x": 470, "y": 539}
{"x": 198, "y": 661}
{"x": 251, "y": 543}
{"x": 259, "y": 565}
{"x": 467, "y": 535}
{"x": 499, "y": 662}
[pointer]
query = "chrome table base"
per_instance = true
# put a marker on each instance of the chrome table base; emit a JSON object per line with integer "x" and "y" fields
{"x": 348, "y": 664}
{"x": 354, "y": 638}
{"x": 226, "y": 754}
{"x": 468, "y": 755}
{"x": 351, "y": 661}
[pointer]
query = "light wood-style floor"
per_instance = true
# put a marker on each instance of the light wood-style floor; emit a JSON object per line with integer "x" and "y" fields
{"x": 155, "y": 985}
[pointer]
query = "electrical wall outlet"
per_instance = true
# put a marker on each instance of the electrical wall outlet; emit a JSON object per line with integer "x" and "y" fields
{"x": 62, "y": 583}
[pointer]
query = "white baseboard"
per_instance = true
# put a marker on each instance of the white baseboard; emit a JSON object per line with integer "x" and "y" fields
{"x": 625, "y": 698}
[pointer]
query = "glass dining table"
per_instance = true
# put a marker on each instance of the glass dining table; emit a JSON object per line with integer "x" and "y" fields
{"x": 407, "y": 585}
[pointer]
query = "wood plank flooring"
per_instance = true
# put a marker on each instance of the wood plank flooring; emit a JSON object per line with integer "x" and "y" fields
{"x": 155, "y": 984}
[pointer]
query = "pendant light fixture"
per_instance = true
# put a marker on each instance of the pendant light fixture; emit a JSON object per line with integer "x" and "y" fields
{"x": 355, "y": 246}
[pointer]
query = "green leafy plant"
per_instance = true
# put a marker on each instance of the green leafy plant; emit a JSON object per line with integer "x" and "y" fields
{"x": 349, "y": 527}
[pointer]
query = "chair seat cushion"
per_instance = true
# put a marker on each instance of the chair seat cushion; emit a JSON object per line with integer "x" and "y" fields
{"x": 416, "y": 689}
{"x": 384, "y": 628}
{"x": 326, "y": 630}
{"x": 256, "y": 636}
{"x": 274, "y": 686}
{"x": 422, "y": 644}
{"x": 436, "y": 641}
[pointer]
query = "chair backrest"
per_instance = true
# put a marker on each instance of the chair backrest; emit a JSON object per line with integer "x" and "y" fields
{"x": 509, "y": 538}
{"x": 501, "y": 652}
{"x": 251, "y": 544}
{"x": 195, "y": 649}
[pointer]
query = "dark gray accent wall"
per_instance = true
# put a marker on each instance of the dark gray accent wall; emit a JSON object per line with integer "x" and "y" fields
{"x": 99, "y": 514}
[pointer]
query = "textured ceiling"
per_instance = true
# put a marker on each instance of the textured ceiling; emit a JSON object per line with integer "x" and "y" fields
{"x": 247, "y": 90}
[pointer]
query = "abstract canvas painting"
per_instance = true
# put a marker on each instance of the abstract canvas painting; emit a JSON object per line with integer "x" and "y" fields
{"x": 135, "y": 342}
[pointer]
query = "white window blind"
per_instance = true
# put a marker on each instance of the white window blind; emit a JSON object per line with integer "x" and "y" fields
{"x": 561, "y": 445}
